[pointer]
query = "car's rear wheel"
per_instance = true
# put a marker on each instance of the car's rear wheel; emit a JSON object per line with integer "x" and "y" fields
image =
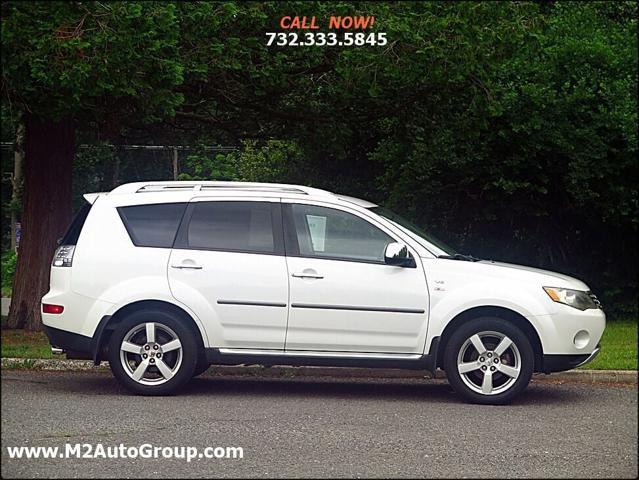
{"x": 489, "y": 361}
{"x": 153, "y": 352}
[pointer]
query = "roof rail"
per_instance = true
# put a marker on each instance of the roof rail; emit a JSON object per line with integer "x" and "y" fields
{"x": 198, "y": 188}
{"x": 169, "y": 186}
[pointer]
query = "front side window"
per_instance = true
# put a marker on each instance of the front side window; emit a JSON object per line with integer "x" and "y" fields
{"x": 329, "y": 233}
{"x": 229, "y": 226}
{"x": 152, "y": 225}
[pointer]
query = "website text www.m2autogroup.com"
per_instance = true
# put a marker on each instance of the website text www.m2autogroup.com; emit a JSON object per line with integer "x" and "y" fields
{"x": 146, "y": 450}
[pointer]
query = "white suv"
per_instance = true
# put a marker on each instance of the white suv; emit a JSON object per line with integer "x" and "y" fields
{"x": 164, "y": 279}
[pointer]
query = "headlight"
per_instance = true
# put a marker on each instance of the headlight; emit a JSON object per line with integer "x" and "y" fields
{"x": 574, "y": 298}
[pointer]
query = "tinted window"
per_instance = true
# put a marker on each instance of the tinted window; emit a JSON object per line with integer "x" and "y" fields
{"x": 326, "y": 232}
{"x": 73, "y": 233}
{"x": 152, "y": 225}
{"x": 230, "y": 226}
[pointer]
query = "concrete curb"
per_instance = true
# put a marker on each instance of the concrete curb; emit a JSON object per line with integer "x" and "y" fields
{"x": 55, "y": 364}
{"x": 628, "y": 377}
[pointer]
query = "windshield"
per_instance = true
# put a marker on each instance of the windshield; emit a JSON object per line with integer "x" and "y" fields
{"x": 424, "y": 239}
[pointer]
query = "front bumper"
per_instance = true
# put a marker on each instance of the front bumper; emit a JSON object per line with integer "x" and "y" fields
{"x": 560, "y": 363}
{"x": 568, "y": 331}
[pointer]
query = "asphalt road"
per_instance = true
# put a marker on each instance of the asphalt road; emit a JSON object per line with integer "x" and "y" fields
{"x": 321, "y": 427}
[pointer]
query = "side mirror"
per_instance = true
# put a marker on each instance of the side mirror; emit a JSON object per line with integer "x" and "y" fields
{"x": 397, "y": 254}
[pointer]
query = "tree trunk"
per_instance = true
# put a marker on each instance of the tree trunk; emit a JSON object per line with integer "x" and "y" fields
{"x": 175, "y": 164}
{"x": 46, "y": 214}
{"x": 116, "y": 168}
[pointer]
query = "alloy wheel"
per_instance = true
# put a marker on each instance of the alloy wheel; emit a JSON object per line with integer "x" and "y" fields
{"x": 151, "y": 353}
{"x": 489, "y": 363}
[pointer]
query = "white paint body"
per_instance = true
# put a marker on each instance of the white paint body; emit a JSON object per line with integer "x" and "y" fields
{"x": 109, "y": 273}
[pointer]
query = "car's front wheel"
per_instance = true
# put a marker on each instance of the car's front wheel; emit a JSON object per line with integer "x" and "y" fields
{"x": 201, "y": 366}
{"x": 489, "y": 361}
{"x": 153, "y": 352}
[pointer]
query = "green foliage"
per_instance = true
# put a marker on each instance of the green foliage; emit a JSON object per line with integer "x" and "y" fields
{"x": 92, "y": 60}
{"x": 92, "y": 171}
{"x": 23, "y": 344}
{"x": 268, "y": 162}
{"x": 526, "y": 150}
{"x": 509, "y": 129}
{"x": 618, "y": 347}
{"x": 203, "y": 165}
{"x": 8, "y": 269}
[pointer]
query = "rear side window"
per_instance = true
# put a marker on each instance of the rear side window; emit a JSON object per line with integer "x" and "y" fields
{"x": 229, "y": 226}
{"x": 152, "y": 225}
{"x": 73, "y": 232}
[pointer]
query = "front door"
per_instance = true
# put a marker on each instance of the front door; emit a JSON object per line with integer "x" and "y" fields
{"x": 343, "y": 297}
{"x": 228, "y": 266}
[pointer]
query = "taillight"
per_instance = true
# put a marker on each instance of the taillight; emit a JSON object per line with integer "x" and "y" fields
{"x": 49, "y": 308}
{"x": 63, "y": 256}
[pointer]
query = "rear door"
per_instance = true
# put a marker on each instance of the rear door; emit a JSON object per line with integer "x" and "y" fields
{"x": 228, "y": 266}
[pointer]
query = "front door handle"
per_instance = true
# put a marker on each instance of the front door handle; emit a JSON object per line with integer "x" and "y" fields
{"x": 192, "y": 267}
{"x": 307, "y": 275}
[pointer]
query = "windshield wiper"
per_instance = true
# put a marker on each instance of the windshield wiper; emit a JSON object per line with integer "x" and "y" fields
{"x": 460, "y": 256}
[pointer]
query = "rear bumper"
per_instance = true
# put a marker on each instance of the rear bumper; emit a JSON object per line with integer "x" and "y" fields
{"x": 560, "y": 363}
{"x": 74, "y": 344}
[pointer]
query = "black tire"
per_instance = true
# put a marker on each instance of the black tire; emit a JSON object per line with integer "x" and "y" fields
{"x": 499, "y": 388}
{"x": 181, "y": 361}
{"x": 201, "y": 366}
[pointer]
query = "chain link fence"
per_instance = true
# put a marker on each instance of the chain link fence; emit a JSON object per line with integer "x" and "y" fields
{"x": 100, "y": 168}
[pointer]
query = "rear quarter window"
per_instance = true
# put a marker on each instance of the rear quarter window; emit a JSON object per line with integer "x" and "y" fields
{"x": 73, "y": 232}
{"x": 152, "y": 225}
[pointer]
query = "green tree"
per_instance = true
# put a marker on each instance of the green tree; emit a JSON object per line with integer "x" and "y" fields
{"x": 66, "y": 65}
{"x": 508, "y": 128}
{"x": 529, "y": 152}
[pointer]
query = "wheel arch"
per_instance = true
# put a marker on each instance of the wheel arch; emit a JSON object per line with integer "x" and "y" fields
{"x": 492, "y": 311}
{"x": 109, "y": 323}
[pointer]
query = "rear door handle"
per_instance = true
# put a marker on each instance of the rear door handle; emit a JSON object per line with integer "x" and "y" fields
{"x": 192, "y": 267}
{"x": 307, "y": 275}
